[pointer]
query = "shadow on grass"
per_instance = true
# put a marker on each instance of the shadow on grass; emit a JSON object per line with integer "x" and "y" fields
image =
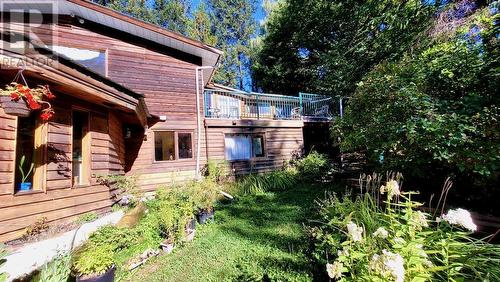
{"x": 275, "y": 221}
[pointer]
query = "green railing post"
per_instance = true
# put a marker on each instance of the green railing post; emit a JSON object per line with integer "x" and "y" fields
{"x": 300, "y": 104}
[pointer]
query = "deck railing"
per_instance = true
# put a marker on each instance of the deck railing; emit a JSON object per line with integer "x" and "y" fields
{"x": 238, "y": 105}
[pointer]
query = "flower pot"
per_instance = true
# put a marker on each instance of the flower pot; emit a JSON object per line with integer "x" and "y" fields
{"x": 205, "y": 216}
{"x": 108, "y": 276}
{"x": 167, "y": 246}
{"x": 191, "y": 225}
{"x": 25, "y": 186}
{"x": 15, "y": 108}
{"x": 189, "y": 235}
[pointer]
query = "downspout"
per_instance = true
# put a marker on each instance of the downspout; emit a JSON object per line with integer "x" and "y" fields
{"x": 198, "y": 117}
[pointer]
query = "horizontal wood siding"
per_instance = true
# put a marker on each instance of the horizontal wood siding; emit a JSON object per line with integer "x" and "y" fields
{"x": 59, "y": 202}
{"x": 283, "y": 140}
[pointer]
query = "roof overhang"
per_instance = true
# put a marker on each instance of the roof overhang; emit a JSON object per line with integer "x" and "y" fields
{"x": 61, "y": 73}
{"x": 101, "y": 15}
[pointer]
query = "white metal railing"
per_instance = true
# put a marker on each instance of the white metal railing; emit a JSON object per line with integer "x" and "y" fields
{"x": 238, "y": 105}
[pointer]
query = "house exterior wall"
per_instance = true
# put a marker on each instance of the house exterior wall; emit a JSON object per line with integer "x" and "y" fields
{"x": 283, "y": 141}
{"x": 169, "y": 86}
{"x": 57, "y": 199}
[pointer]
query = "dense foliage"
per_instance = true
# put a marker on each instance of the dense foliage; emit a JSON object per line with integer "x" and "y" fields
{"x": 328, "y": 46}
{"x": 373, "y": 237}
{"x": 436, "y": 110}
{"x": 227, "y": 25}
{"x": 312, "y": 168}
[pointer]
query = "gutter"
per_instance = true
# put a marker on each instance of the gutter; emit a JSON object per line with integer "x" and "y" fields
{"x": 198, "y": 117}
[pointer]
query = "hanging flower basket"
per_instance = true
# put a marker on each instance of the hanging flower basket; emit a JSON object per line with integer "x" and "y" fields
{"x": 19, "y": 100}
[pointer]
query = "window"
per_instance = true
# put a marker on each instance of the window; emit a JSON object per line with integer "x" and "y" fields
{"x": 166, "y": 143}
{"x": 244, "y": 146}
{"x": 92, "y": 59}
{"x": 185, "y": 146}
{"x": 29, "y": 154}
{"x": 81, "y": 148}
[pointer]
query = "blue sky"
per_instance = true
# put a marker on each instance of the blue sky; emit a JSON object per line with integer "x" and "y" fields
{"x": 259, "y": 13}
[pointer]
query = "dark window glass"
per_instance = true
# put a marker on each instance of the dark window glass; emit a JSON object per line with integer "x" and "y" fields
{"x": 185, "y": 146}
{"x": 164, "y": 146}
{"x": 258, "y": 146}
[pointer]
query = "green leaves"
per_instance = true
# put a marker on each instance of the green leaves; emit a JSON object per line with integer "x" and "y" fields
{"x": 344, "y": 40}
{"x": 433, "y": 107}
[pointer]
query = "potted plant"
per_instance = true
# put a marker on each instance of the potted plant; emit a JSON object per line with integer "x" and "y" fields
{"x": 25, "y": 186}
{"x": 206, "y": 195}
{"x": 168, "y": 245}
{"x": 190, "y": 230}
{"x": 94, "y": 264}
{"x": 19, "y": 100}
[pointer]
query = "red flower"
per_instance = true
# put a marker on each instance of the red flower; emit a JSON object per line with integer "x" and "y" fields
{"x": 49, "y": 94}
{"x": 34, "y": 105}
{"x": 46, "y": 115}
{"x": 14, "y": 96}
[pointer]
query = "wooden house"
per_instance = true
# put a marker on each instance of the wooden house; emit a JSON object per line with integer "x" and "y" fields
{"x": 131, "y": 98}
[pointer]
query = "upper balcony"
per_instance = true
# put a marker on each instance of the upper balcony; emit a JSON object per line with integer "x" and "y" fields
{"x": 222, "y": 104}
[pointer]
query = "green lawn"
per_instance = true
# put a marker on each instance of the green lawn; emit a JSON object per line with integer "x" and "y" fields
{"x": 253, "y": 238}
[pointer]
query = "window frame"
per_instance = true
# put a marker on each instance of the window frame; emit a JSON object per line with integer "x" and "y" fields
{"x": 252, "y": 135}
{"x": 39, "y": 172}
{"x": 176, "y": 145}
{"x": 86, "y": 150}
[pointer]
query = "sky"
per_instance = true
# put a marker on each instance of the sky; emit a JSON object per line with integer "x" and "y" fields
{"x": 259, "y": 13}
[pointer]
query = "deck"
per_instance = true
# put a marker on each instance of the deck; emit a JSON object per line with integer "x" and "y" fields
{"x": 222, "y": 104}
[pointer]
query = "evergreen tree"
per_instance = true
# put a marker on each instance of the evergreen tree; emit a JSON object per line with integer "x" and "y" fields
{"x": 136, "y": 8}
{"x": 200, "y": 27}
{"x": 172, "y": 14}
{"x": 233, "y": 25}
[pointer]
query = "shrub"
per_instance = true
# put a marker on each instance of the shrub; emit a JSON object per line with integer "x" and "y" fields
{"x": 127, "y": 184}
{"x": 168, "y": 214}
{"x": 93, "y": 260}
{"x": 115, "y": 237}
{"x": 36, "y": 227}
{"x": 370, "y": 239}
{"x": 57, "y": 270}
{"x": 217, "y": 171}
{"x": 87, "y": 217}
{"x": 435, "y": 111}
{"x": 313, "y": 167}
{"x": 204, "y": 194}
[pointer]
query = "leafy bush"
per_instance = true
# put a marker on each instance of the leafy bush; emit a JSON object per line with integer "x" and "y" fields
{"x": 168, "y": 214}
{"x": 58, "y": 270}
{"x": 217, "y": 171}
{"x": 204, "y": 194}
{"x": 437, "y": 109}
{"x": 87, "y": 217}
{"x": 114, "y": 237}
{"x": 127, "y": 184}
{"x": 377, "y": 238}
{"x": 313, "y": 167}
{"x": 37, "y": 227}
{"x": 93, "y": 260}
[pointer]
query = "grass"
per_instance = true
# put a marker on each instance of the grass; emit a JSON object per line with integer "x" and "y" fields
{"x": 255, "y": 238}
